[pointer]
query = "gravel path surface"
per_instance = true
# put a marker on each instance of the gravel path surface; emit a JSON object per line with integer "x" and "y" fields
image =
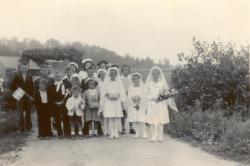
{"x": 103, "y": 151}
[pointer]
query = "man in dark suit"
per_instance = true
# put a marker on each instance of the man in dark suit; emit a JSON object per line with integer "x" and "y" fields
{"x": 24, "y": 80}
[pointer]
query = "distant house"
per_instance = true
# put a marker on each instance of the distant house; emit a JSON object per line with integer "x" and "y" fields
{"x": 34, "y": 68}
{"x": 58, "y": 65}
{"x": 8, "y": 62}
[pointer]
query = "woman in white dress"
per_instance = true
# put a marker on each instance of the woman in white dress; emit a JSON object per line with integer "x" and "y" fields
{"x": 136, "y": 105}
{"x": 157, "y": 110}
{"x": 112, "y": 99}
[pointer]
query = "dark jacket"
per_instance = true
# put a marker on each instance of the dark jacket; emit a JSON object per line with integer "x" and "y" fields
{"x": 27, "y": 85}
{"x": 50, "y": 82}
{"x": 67, "y": 83}
{"x": 38, "y": 100}
{"x": 58, "y": 96}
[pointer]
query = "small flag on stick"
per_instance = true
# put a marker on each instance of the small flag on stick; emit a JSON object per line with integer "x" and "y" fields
{"x": 18, "y": 94}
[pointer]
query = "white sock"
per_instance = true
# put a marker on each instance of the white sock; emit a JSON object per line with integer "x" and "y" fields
{"x": 160, "y": 137}
{"x": 111, "y": 127}
{"x": 117, "y": 123}
{"x": 137, "y": 128}
{"x": 90, "y": 132}
{"x": 153, "y": 136}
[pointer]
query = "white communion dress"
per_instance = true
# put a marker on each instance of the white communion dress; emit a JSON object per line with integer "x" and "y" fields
{"x": 157, "y": 112}
{"x": 112, "y": 108}
{"x": 139, "y": 114}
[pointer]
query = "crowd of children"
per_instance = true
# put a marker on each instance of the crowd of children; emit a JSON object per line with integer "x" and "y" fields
{"x": 89, "y": 100}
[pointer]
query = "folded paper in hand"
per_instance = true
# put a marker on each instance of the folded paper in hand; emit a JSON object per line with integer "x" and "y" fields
{"x": 18, "y": 94}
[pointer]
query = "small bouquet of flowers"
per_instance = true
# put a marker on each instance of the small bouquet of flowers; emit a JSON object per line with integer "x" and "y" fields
{"x": 164, "y": 96}
{"x": 136, "y": 100}
{"x": 81, "y": 105}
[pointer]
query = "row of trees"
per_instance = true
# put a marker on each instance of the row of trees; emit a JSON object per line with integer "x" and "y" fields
{"x": 14, "y": 47}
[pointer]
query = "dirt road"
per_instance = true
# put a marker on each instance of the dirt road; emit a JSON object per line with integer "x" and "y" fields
{"x": 125, "y": 151}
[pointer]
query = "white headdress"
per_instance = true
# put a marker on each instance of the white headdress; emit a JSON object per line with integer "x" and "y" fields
{"x": 149, "y": 80}
{"x": 162, "y": 78}
{"x": 107, "y": 78}
{"x": 75, "y": 75}
{"x": 136, "y": 74}
{"x": 101, "y": 70}
{"x": 118, "y": 77}
{"x": 73, "y": 63}
{"x": 86, "y": 60}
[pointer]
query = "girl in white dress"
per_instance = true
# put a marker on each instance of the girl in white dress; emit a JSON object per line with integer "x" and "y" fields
{"x": 112, "y": 99}
{"x": 136, "y": 105}
{"x": 157, "y": 110}
{"x": 101, "y": 74}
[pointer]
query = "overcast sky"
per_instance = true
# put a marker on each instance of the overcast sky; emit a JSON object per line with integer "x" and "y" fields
{"x": 141, "y": 28}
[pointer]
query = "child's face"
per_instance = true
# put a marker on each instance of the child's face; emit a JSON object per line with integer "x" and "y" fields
{"x": 44, "y": 71}
{"x": 75, "y": 81}
{"x": 125, "y": 71}
{"x": 87, "y": 65}
{"x": 102, "y": 75}
{"x": 58, "y": 77}
{"x": 24, "y": 69}
{"x": 103, "y": 66}
{"x": 68, "y": 73}
{"x": 156, "y": 75}
{"x": 73, "y": 68}
{"x": 76, "y": 92}
{"x": 113, "y": 75}
{"x": 136, "y": 80}
{"x": 90, "y": 72}
{"x": 50, "y": 69}
{"x": 92, "y": 84}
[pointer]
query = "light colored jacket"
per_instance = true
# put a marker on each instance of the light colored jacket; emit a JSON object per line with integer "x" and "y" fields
{"x": 75, "y": 105}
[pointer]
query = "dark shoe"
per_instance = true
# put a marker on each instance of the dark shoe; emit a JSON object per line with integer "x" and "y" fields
{"x": 132, "y": 131}
{"x": 123, "y": 132}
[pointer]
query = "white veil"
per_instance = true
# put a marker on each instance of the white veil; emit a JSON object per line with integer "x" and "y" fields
{"x": 131, "y": 76}
{"x": 118, "y": 79}
{"x": 171, "y": 102}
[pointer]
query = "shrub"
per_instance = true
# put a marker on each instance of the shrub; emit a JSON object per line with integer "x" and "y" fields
{"x": 8, "y": 122}
{"x": 213, "y": 70}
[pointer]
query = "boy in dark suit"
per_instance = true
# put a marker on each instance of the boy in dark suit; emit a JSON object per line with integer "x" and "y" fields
{"x": 44, "y": 72}
{"x": 60, "y": 112}
{"x": 24, "y": 81}
{"x": 43, "y": 101}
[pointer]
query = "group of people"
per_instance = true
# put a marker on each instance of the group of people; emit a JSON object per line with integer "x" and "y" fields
{"x": 91, "y": 100}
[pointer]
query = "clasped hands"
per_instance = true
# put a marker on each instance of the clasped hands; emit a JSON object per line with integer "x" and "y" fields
{"x": 112, "y": 96}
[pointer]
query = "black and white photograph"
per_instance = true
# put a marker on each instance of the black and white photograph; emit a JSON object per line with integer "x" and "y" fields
{"x": 124, "y": 83}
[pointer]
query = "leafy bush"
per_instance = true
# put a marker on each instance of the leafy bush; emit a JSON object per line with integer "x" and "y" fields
{"x": 213, "y": 71}
{"x": 8, "y": 122}
{"x": 214, "y": 99}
